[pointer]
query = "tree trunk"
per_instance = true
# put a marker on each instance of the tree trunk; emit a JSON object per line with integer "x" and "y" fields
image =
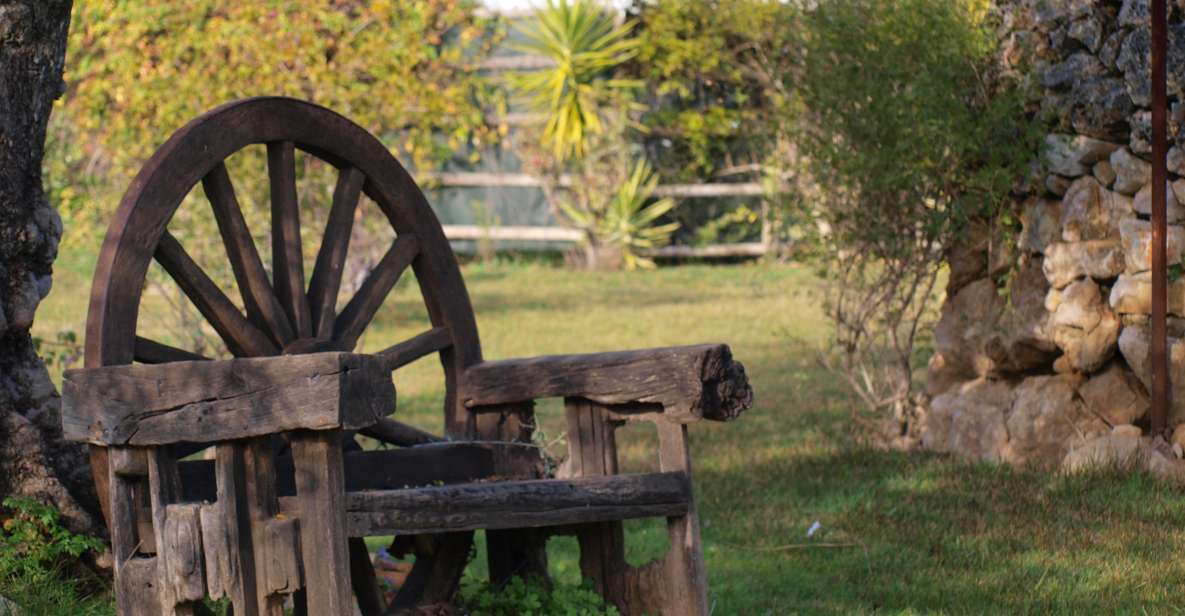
{"x": 34, "y": 459}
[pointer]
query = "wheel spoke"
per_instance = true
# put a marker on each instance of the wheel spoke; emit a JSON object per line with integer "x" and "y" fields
{"x": 243, "y": 338}
{"x": 431, "y": 341}
{"x": 263, "y": 309}
{"x": 362, "y": 307}
{"x": 287, "y": 257}
{"x": 331, "y": 259}
{"x": 152, "y": 352}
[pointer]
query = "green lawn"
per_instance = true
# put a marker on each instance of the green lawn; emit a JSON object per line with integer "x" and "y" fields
{"x": 901, "y": 532}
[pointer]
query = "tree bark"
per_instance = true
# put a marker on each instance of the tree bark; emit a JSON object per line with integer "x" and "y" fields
{"x": 35, "y": 461}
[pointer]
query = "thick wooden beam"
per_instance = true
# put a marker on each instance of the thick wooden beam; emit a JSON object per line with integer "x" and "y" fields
{"x": 689, "y": 382}
{"x": 206, "y": 401}
{"x": 424, "y": 465}
{"x": 512, "y": 504}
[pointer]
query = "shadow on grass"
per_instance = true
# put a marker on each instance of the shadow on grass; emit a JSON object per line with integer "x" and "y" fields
{"x": 921, "y": 533}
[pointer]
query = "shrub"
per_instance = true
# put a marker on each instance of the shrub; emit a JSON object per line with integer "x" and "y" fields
{"x": 532, "y": 598}
{"x": 910, "y": 136}
{"x": 39, "y": 568}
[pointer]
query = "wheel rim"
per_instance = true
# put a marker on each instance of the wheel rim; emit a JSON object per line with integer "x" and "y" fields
{"x": 196, "y": 153}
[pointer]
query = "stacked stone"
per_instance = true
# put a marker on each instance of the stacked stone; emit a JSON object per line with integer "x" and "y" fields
{"x": 1042, "y": 346}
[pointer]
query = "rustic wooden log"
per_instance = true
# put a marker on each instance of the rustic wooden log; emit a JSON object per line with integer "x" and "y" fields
{"x": 223, "y": 400}
{"x": 511, "y": 504}
{"x": 423, "y": 465}
{"x": 690, "y": 382}
{"x": 321, "y": 495}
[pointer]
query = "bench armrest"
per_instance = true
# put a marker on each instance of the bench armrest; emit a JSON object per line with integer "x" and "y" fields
{"x": 207, "y": 401}
{"x": 689, "y": 382}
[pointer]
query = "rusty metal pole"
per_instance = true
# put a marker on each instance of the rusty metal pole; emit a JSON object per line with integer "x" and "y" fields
{"x": 1158, "y": 350}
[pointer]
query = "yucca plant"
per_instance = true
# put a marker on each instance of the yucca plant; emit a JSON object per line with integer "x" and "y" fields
{"x": 584, "y": 43}
{"x": 625, "y": 223}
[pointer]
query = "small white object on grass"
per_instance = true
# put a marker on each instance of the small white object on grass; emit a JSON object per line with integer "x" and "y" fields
{"x": 815, "y": 527}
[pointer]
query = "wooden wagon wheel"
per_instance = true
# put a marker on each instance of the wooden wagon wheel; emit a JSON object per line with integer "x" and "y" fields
{"x": 282, "y": 315}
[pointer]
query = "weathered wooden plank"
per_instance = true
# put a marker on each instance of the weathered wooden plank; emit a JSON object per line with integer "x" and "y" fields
{"x": 164, "y": 489}
{"x": 241, "y": 337}
{"x": 226, "y": 529}
{"x": 184, "y": 570}
{"x": 422, "y": 465}
{"x": 153, "y": 352}
{"x": 689, "y": 382}
{"x": 321, "y": 494}
{"x": 431, "y": 341}
{"x": 262, "y": 507}
{"x": 400, "y": 434}
{"x": 331, "y": 257}
{"x": 287, "y": 254}
{"x": 217, "y": 551}
{"x": 223, "y": 400}
{"x": 128, "y": 462}
{"x": 263, "y": 307}
{"x": 370, "y": 296}
{"x": 512, "y": 504}
{"x": 135, "y": 588}
{"x": 592, "y": 452}
{"x": 284, "y": 572}
{"x": 134, "y": 596}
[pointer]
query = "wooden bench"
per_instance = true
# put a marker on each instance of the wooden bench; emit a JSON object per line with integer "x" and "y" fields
{"x": 284, "y": 505}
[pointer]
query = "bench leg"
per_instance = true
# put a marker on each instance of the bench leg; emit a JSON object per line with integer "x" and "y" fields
{"x": 687, "y": 587}
{"x": 321, "y": 493}
{"x": 592, "y": 451}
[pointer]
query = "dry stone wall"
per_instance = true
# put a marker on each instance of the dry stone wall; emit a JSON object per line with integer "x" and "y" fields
{"x": 1041, "y": 349}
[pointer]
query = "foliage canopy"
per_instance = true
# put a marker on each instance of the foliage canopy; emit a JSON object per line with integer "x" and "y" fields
{"x": 136, "y": 71}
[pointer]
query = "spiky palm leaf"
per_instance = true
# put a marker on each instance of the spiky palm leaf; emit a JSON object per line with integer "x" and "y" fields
{"x": 629, "y": 223}
{"x": 583, "y": 42}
